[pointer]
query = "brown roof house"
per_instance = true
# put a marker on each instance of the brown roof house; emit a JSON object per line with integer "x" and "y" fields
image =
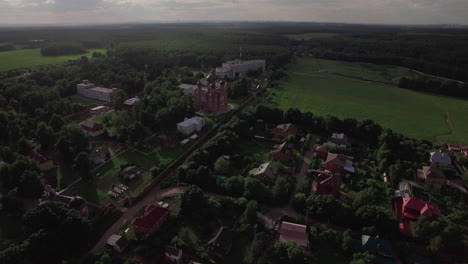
{"x": 266, "y": 172}
{"x": 118, "y": 243}
{"x": 282, "y": 152}
{"x": 294, "y": 232}
{"x": 131, "y": 172}
{"x": 221, "y": 243}
{"x": 327, "y": 185}
{"x": 338, "y": 163}
{"x": 431, "y": 175}
{"x": 283, "y": 131}
{"x": 99, "y": 155}
{"x": 440, "y": 158}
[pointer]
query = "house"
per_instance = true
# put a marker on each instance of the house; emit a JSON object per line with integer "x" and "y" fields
{"x": 92, "y": 128}
{"x": 327, "y": 185}
{"x": 129, "y": 103}
{"x": 237, "y": 68}
{"x": 43, "y": 162}
{"x": 266, "y": 172}
{"x": 338, "y": 163}
{"x": 174, "y": 255}
{"x": 151, "y": 221}
{"x": 431, "y": 175}
{"x": 118, "y": 243}
{"x": 321, "y": 152}
{"x": 404, "y": 190}
{"x": 99, "y": 155}
{"x": 440, "y": 158}
{"x": 376, "y": 245}
{"x": 88, "y": 89}
{"x": 339, "y": 139}
{"x": 190, "y": 125}
{"x": 282, "y": 152}
{"x": 283, "y": 131}
{"x": 131, "y": 172}
{"x": 294, "y": 232}
{"x": 221, "y": 243}
{"x": 413, "y": 208}
{"x": 454, "y": 148}
{"x": 75, "y": 202}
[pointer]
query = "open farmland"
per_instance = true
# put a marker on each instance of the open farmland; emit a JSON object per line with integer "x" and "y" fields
{"x": 417, "y": 115}
{"x": 312, "y": 35}
{"x": 26, "y": 58}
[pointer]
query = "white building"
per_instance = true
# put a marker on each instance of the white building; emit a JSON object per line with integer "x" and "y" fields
{"x": 236, "y": 68}
{"x": 88, "y": 89}
{"x": 188, "y": 126}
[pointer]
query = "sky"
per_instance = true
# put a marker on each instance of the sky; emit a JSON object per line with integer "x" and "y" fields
{"x": 121, "y": 11}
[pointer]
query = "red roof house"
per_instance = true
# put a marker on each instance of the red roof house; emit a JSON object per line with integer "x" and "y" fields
{"x": 327, "y": 185}
{"x": 92, "y": 128}
{"x": 294, "y": 232}
{"x": 413, "y": 209}
{"x": 155, "y": 216}
{"x": 321, "y": 152}
{"x": 283, "y": 131}
{"x": 338, "y": 163}
{"x": 282, "y": 153}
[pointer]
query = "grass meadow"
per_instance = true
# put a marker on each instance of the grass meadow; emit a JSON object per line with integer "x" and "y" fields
{"x": 418, "y": 115}
{"x": 26, "y": 58}
{"x": 311, "y": 35}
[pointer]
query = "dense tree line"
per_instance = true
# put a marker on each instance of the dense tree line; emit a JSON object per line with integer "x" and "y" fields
{"x": 450, "y": 88}
{"x": 60, "y": 49}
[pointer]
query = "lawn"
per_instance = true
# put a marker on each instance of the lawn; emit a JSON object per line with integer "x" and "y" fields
{"x": 311, "y": 35}
{"x": 26, "y": 58}
{"x": 418, "y": 115}
{"x": 257, "y": 149}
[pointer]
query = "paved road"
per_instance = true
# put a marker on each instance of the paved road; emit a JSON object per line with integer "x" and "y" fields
{"x": 306, "y": 162}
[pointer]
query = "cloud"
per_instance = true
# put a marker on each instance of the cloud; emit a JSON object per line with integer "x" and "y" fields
{"x": 351, "y": 11}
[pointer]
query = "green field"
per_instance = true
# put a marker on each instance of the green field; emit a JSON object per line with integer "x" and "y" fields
{"x": 312, "y": 35}
{"x": 417, "y": 115}
{"x": 26, "y": 58}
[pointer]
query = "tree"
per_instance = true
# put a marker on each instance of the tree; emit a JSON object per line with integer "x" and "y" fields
{"x": 24, "y": 148}
{"x": 234, "y": 186}
{"x": 288, "y": 253}
{"x": 239, "y": 88}
{"x": 257, "y": 249}
{"x": 249, "y": 217}
{"x": 119, "y": 99}
{"x": 281, "y": 189}
{"x": 221, "y": 166}
{"x": 299, "y": 202}
{"x": 256, "y": 190}
{"x": 45, "y": 136}
{"x": 30, "y": 184}
{"x": 364, "y": 258}
{"x": 193, "y": 202}
{"x": 83, "y": 166}
{"x": 347, "y": 243}
{"x": 56, "y": 122}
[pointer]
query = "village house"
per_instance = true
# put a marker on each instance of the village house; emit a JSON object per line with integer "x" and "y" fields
{"x": 339, "y": 139}
{"x": 221, "y": 243}
{"x": 92, "y": 128}
{"x": 266, "y": 172}
{"x": 282, "y": 152}
{"x": 154, "y": 217}
{"x": 440, "y": 158}
{"x": 131, "y": 172}
{"x": 321, "y": 152}
{"x": 173, "y": 255}
{"x": 99, "y": 155}
{"x": 327, "y": 185}
{"x": 376, "y": 245}
{"x": 283, "y": 131}
{"x": 118, "y": 243}
{"x": 294, "y": 232}
{"x": 338, "y": 163}
{"x": 75, "y": 202}
{"x": 43, "y": 162}
{"x": 190, "y": 125}
{"x": 432, "y": 176}
{"x": 404, "y": 190}
{"x": 129, "y": 103}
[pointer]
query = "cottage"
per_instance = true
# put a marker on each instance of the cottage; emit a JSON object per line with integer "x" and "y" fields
{"x": 174, "y": 255}
{"x": 431, "y": 176}
{"x": 118, "y": 243}
{"x": 339, "y": 139}
{"x": 294, "y": 232}
{"x": 129, "y": 103}
{"x": 404, "y": 190}
{"x": 152, "y": 220}
{"x": 377, "y": 246}
{"x": 99, "y": 155}
{"x": 131, "y": 172}
{"x": 75, "y": 202}
{"x": 282, "y": 153}
{"x": 266, "y": 172}
{"x": 221, "y": 243}
{"x": 43, "y": 162}
{"x": 283, "y": 131}
{"x": 440, "y": 158}
{"x": 338, "y": 163}
{"x": 321, "y": 152}
{"x": 188, "y": 126}
{"x": 91, "y": 128}
{"x": 412, "y": 209}
{"x": 327, "y": 185}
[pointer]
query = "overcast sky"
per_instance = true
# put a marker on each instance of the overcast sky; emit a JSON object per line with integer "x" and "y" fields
{"x": 350, "y": 11}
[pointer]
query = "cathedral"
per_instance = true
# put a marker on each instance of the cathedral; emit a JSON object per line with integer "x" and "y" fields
{"x": 212, "y": 98}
